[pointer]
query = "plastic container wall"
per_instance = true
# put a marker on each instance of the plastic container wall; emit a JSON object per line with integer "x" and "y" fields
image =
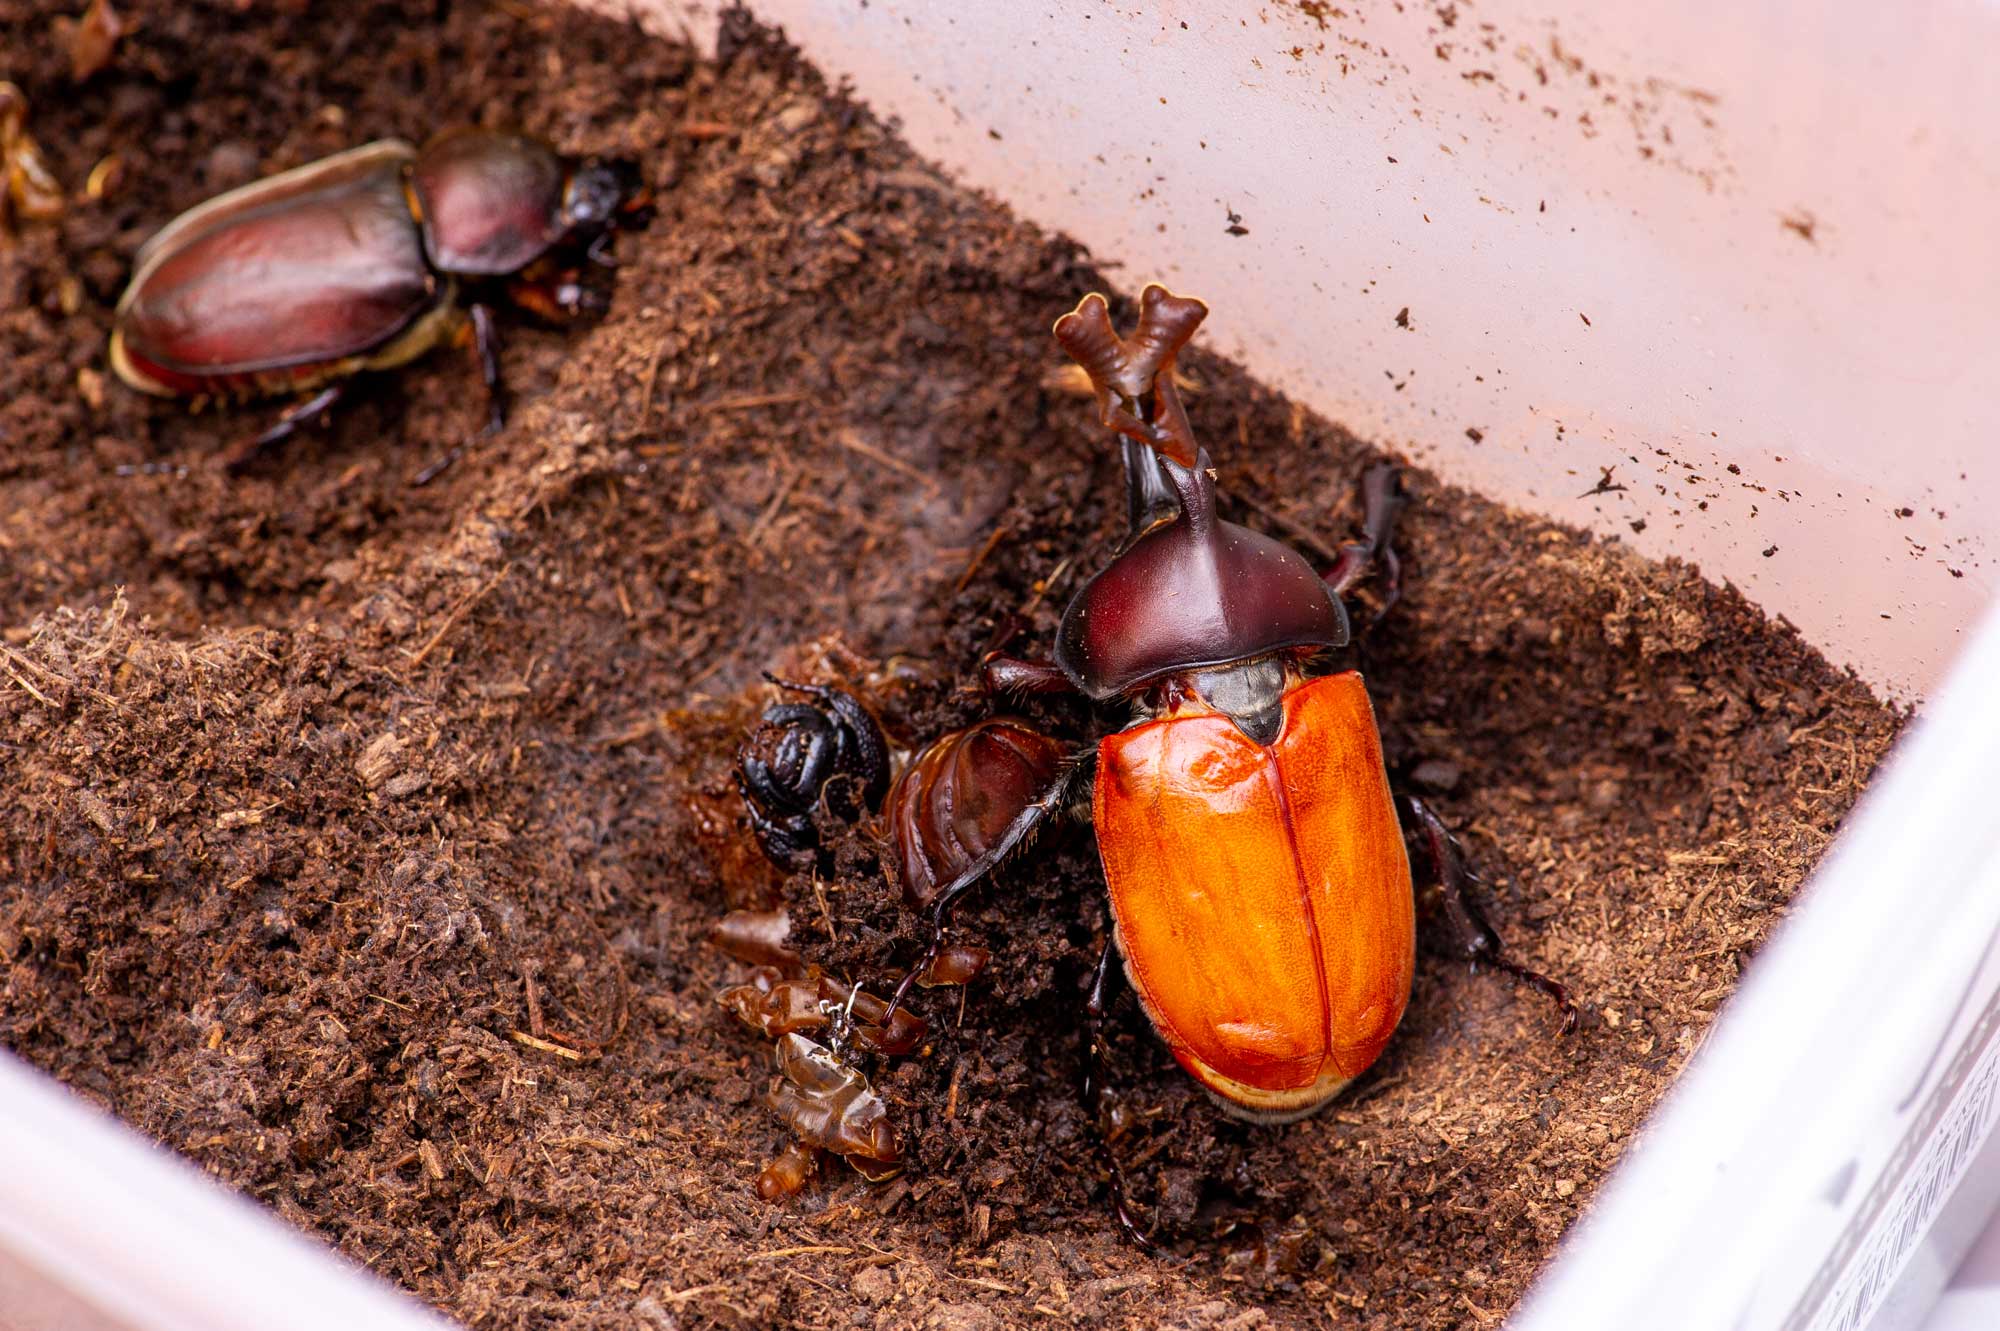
{"x": 1716, "y": 279}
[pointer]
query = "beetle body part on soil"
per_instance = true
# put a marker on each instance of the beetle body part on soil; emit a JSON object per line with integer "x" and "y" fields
{"x": 831, "y": 1106}
{"x": 758, "y": 937}
{"x": 29, "y": 190}
{"x": 361, "y": 261}
{"x": 787, "y": 1173}
{"x": 954, "y": 964}
{"x": 953, "y": 807}
{"x": 776, "y": 1006}
{"x": 828, "y": 752}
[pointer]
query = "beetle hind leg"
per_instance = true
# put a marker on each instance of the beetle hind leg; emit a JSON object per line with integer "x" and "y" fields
{"x": 1468, "y": 934}
{"x": 1093, "y": 1095}
{"x": 288, "y": 424}
{"x": 486, "y": 343}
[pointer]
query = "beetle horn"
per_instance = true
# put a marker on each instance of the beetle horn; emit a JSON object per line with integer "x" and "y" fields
{"x": 1196, "y": 487}
{"x": 1124, "y": 371}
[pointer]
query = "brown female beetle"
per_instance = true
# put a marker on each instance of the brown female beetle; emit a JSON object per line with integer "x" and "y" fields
{"x": 356, "y": 262}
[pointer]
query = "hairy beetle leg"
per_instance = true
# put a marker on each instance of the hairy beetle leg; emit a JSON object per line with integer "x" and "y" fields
{"x": 1000, "y": 673}
{"x": 1471, "y": 937}
{"x": 1382, "y": 501}
{"x": 288, "y": 424}
{"x": 1093, "y": 1096}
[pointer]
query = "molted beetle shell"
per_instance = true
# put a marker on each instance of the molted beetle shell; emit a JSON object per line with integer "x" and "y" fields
{"x": 1191, "y": 594}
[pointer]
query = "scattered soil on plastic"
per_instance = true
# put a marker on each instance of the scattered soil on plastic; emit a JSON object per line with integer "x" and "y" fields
{"x": 363, "y": 849}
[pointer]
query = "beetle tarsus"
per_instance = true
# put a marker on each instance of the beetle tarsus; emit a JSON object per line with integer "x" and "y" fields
{"x": 431, "y": 471}
{"x": 287, "y": 425}
{"x": 1471, "y": 937}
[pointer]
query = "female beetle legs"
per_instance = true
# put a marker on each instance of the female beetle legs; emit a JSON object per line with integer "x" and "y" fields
{"x": 287, "y": 424}
{"x": 1093, "y": 1093}
{"x": 1467, "y": 934}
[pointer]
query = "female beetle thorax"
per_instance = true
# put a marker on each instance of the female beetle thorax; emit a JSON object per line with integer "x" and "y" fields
{"x": 490, "y": 203}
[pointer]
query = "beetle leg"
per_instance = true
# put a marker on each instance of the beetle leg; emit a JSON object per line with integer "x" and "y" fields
{"x": 1471, "y": 937}
{"x": 1001, "y": 673}
{"x": 1093, "y": 1093}
{"x": 486, "y": 341}
{"x": 600, "y": 251}
{"x": 1382, "y": 501}
{"x": 301, "y": 413}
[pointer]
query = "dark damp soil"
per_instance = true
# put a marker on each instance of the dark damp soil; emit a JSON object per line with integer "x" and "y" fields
{"x": 362, "y": 848}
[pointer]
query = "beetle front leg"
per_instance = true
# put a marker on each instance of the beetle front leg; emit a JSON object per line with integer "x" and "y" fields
{"x": 1382, "y": 501}
{"x": 1469, "y": 936}
{"x": 486, "y": 343}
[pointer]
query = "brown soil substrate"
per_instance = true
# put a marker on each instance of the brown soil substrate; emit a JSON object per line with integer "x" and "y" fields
{"x": 363, "y": 850}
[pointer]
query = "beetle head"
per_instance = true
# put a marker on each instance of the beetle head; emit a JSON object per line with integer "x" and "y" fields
{"x": 1193, "y": 593}
{"x": 605, "y": 193}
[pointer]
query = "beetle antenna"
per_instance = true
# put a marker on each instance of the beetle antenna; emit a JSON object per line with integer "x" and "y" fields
{"x": 1123, "y": 372}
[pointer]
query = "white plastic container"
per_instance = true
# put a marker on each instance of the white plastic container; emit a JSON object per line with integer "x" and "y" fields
{"x": 1739, "y": 261}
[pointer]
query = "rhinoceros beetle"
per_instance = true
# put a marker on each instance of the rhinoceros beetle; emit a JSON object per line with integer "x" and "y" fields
{"x": 364, "y": 261}
{"x": 1260, "y": 886}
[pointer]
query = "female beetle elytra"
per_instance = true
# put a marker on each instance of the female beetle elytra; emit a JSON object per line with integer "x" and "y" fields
{"x": 355, "y": 262}
{"x": 1260, "y": 888}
